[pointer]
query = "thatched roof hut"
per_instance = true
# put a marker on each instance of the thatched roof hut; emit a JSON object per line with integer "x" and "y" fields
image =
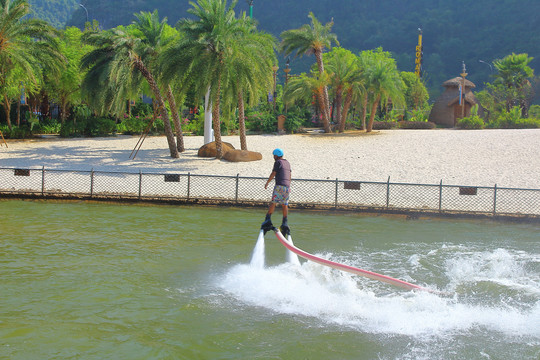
{"x": 447, "y": 109}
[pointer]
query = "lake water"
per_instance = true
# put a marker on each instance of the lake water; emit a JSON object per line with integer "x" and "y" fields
{"x": 107, "y": 281}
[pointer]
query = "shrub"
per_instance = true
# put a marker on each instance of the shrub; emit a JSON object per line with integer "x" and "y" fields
{"x": 132, "y": 125}
{"x": 384, "y": 125}
{"x": 293, "y": 122}
{"x": 416, "y": 125}
{"x": 46, "y": 126}
{"x": 69, "y": 129}
{"x": 92, "y": 127}
{"x": 157, "y": 126}
{"x": 512, "y": 120}
{"x": 471, "y": 122}
{"x": 16, "y": 132}
{"x": 100, "y": 127}
{"x": 261, "y": 122}
{"x": 534, "y": 111}
{"x": 196, "y": 125}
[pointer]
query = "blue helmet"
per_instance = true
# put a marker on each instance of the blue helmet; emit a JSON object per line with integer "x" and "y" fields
{"x": 278, "y": 152}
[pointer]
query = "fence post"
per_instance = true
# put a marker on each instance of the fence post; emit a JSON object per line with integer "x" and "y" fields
{"x": 440, "y": 196}
{"x": 337, "y": 186}
{"x": 92, "y": 183}
{"x": 43, "y": 181}
{"x": 494, "y": 199}
{"x": 388, "y": 193}
{"x": 236, "y": 193}
{"x": 188, "y": 184}
{"x": 140, "y": 184}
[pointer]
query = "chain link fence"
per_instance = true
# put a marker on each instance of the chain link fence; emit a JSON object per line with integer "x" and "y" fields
{"x": 305, "y": 193}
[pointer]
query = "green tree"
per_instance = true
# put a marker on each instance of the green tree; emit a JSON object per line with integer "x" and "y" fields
{"x": 415, "y": 92}
{"x": 203, "y": 53}
{"x": 65, "y": 89}
{"x": 156, "y": 35}
{"x": 383, "y": 82}
{"x": 114, "y": 69}
{"x": 307, "y": 87}
{"x": 515, "y": 74}
{"x": 346, "y": 81}
{"x": 27, "y": 47}
{"x": 309, "y": 39}
{"x": 249, "y": 70}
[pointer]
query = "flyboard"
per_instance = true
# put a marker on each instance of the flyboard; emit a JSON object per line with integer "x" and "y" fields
{"x": 347, "y": 268}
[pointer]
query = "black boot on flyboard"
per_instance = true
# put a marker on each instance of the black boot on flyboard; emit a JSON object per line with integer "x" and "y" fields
{"x": 285, "y": 230}
{"x": 267, "y": 224}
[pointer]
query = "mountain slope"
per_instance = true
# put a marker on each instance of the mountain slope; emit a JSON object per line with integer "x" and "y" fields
{"x": 453, "y": 30}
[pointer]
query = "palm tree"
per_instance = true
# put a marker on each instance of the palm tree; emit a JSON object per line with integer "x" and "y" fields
{"x": 27, "y": 46}
{"x": 203, "y": 53}
{"x": 514, "y": 74}
{"x": 384, "y": 83}
{"x": 154, "y": 37}
{"x": 114, "y": 69}
{"x": 249, "y": 70}
{"x": 309, "y": 39}
{"x": 305, "y": 87}
{"x": 345, "y": 79}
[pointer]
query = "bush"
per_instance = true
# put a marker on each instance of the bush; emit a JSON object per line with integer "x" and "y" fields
{"x": 293, "y": 122}
{"x": 384, "y": 125}
{"x": 261, "y": 122}
{"x": 100, "y": 127}
{"x": 471, "y": 122}
{"x": 512, "y": 120}
{"x": 132, "y": 125}
{"x": 46, "y": 126}
{"x": 534, "y": 111}
{"x": 16, "y": 132}
{"x": 92, "y": 127}
{"x": 416, "y": 125}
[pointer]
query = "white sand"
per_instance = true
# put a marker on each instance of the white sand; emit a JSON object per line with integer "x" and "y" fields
{"x": 508, "y": 158}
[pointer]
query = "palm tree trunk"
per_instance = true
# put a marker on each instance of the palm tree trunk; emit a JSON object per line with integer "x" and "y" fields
{"x": 176, "y": 120}
{"x": 241, "y": 121}
{"x": 346, "y": 107}
{"x": 18, "y": 113}
{"x": 326, "y": 123}
{"x": 216, "y": 122}
{"x": 337, "y": 106}
{"x": 373, "y": 111}
{"x": 164, "y": 115}
{"x": 63, "y": 106}
{"x": 364, "y": 110}
{"x": 7, "y": 110}
{"x": 326, "y": 103}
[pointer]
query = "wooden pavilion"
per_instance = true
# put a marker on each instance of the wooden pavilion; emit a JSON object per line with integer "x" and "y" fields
{"x": 447, "y": 109}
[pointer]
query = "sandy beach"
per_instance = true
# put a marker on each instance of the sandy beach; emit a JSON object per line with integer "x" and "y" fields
{"x": 508, "y": 158}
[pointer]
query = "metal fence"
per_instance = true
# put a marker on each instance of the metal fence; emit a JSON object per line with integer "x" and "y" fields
{"x": 307, "y": 193}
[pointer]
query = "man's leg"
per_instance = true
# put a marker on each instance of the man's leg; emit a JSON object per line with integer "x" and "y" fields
{"x": 284, "y": 225}
{"x": 267, "y": 223}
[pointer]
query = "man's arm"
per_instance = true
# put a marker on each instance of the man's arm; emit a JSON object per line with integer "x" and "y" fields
{"x": 272, "y": 175}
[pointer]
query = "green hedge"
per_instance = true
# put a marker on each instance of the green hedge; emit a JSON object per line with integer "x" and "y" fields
{"x": 416, "y": 125}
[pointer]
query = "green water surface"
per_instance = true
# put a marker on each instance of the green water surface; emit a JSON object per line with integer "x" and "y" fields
{"x": 107, "y": 281}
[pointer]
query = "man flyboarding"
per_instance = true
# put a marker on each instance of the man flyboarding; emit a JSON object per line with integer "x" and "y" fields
{"x": 281, "y": 172}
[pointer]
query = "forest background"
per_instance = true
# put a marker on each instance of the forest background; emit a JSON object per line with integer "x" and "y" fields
{"x": 453, "y": 30}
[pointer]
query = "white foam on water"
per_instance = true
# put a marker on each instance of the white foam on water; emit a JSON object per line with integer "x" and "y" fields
{"x": 344, "y": 299}
{"x": 257, "y": 257}
{"x": 513, "y": 269}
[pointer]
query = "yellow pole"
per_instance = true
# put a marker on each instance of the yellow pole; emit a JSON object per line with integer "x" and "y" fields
{"x": 418, "y": 61}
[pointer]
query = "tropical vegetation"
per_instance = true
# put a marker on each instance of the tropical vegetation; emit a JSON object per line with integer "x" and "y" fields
{"x": 151, "y": 77}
